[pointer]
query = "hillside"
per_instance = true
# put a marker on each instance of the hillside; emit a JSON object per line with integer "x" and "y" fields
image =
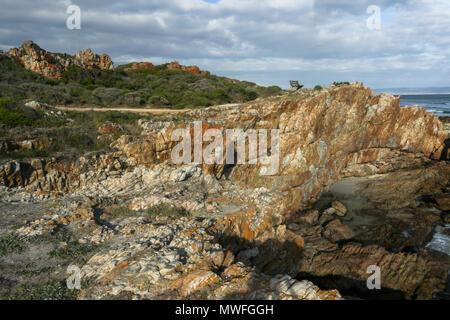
{"x": 88, "y": 79}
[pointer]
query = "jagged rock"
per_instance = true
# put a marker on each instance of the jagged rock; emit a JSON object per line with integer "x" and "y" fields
{"x": 195, "y": 281}
{"x": 415, "y": 275}
{"x": 335, "y": 231}
{"x": 244, "y": 283}
{"x": 36, "y": 105}
{"x": 324, "y": 136}
{"x": 88, "y": 59}
{"x": 310, "y": 217}
{"x": 304, "y": 290}
{"x": 341, "y": 210}
{"x": 327, "y": 216}
{"x": 32, "y": 57}
{"x": 36, "y": 144}
{"x": 142, "y": 151}
{"x": 52, "y": 65}
{"x": 16, "y": 174}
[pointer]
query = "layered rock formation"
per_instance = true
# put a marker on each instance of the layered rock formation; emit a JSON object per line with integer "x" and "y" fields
{"x": 52, "y": 65}
{"x": 258, "y": 236}
{"x": 175, "y": 65}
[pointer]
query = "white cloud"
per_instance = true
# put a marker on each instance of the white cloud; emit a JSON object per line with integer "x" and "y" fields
{"x": 248, "y": 35}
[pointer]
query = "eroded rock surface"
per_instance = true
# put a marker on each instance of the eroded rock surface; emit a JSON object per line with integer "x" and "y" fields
{"x": 247, "y": 235}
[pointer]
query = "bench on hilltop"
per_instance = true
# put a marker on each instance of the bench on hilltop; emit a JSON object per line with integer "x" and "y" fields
{"x": 295, "y": 85}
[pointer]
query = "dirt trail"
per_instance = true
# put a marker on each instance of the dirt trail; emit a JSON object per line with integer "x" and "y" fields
{"x": 135, "y": 110}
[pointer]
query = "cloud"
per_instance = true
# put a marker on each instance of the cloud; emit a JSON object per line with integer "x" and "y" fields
{"x": 251, "y": 37}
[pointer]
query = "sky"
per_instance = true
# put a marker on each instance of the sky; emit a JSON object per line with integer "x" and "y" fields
{"x": 265, "y": 41}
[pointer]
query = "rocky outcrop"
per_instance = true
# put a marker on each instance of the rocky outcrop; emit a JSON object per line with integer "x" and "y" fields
{"x": 182, "y": 260}
{"x": 33, "y": 58}
{"x": 52, "y": 65}
{"x": 88, "y": 59}
{"x": 61, "y": 175}
{"x": 257, "y": 236}
{"x": 175, "y": 65}
{"x": 321, "y": 136}
{"x": 9, "y": 145}
{"x": 141, "y": 65}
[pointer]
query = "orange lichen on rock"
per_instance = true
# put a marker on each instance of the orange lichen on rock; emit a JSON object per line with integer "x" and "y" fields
{"x": 141, "y": 65}
{"x": 52, "y": 65}
{"x": 175, "y": 65}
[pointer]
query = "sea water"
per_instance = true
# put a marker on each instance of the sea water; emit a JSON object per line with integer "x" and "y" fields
{"x": 437, "y": 103}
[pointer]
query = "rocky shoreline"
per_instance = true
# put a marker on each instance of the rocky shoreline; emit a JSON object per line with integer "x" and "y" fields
{"x": 361, "y": 182}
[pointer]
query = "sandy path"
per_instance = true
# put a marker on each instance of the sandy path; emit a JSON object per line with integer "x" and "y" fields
{"x": 135, "y": 110}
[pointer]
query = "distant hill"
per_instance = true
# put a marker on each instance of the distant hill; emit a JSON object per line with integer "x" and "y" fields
{"x": 427, "y": 90}
{"x": 30, "y": 72}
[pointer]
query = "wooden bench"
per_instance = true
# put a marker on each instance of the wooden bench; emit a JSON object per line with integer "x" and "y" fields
{"x": 295, "y": 85}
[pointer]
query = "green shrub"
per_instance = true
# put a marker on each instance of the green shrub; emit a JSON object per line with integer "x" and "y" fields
{"x": 318, "y": 88}
{"x": 338, "y": 84}
{"x": 73, "y": 251}
{"x": 165, "y": 209}
{"x": 221, "y": 96}
{"x": 123, "y": 212}
{"x": 6, "y": 102}
{"x": 24, "y": 154}
{"x": 81, "y": 86}
{"x": 13, "y": 114}
{"x": 50, "y": 290}
{"x": 15, "y": 118}
{"x": 76, "y": 91}
{"x": 52, "y": 82}
{"x": 250, "y": 95}
{"x": 11, "y": 243}
{"x": 12, "y": 73}
{"x": 79, "y": 139}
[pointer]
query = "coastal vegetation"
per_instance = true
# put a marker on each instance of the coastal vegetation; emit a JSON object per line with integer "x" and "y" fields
{"x": 121, "y": 87}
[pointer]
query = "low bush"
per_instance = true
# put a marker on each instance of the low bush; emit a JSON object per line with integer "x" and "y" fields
{"x": 49, "y": 290}
{"x": 165, "y": 209}
{"x": 11, "y": 116}
{"x": 174, "y": 88}
{"x": 338, "y": 84}
{"x": 11, "y": 243}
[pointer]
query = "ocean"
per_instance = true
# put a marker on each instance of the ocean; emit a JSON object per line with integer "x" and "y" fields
{"x": 437, "y": 103}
